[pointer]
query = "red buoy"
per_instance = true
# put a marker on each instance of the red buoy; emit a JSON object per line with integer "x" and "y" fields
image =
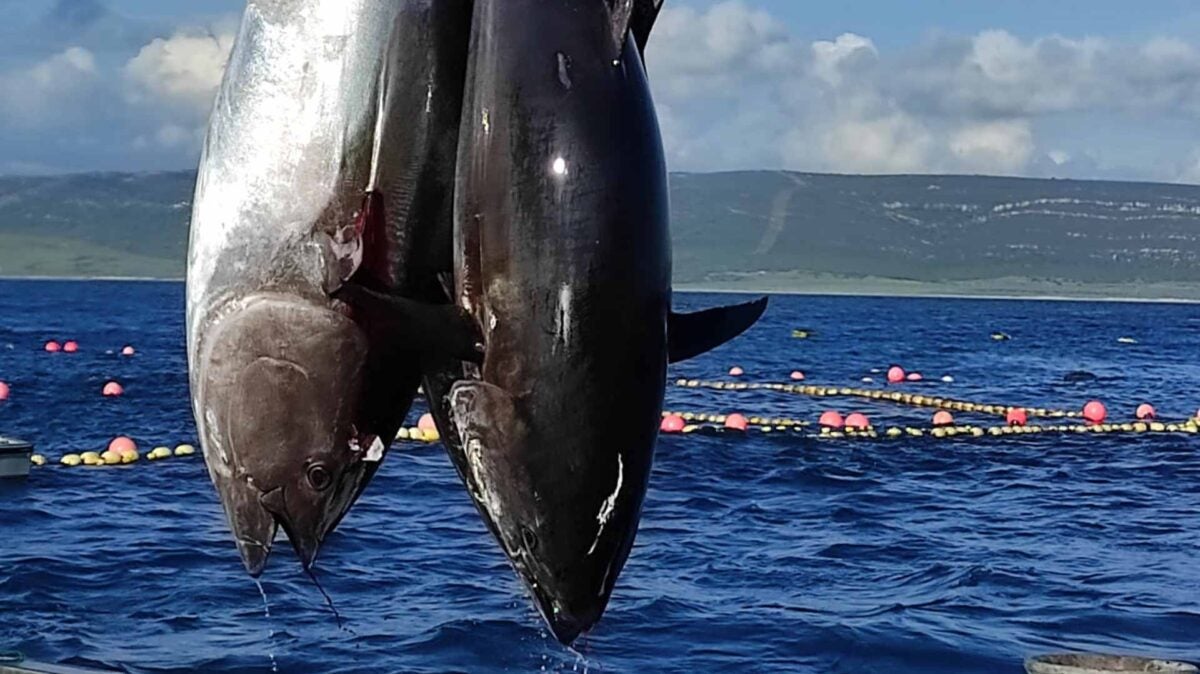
{"x": 915, "y": 376}
{"x": 1016, "y": 417}
{"x": 736, "y": 422}
{"x": 426, "y": 423}
{"x": 53, "y": 346}
{"x": 122, "y": 445}
{"x": 1094, "y": 412}
{"x": 736, "y": 371}
{"x": 895, "y": 374}
{"x": 857, "y": 421}
{"x": 831, "y": 419}
{"x": 1145, "y": 411}
{"x": 797, "y": 375}
{"x": 71, "y": 346}
{"x": 942, "y": 418}
{"x": 127, "y": 351}
{"x": 672, "y": 423}
{"x": 112, "y": 388}
{"x": 3, "y": 391}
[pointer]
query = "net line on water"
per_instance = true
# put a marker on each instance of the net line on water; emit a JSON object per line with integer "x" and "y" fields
{"x": 880, "y": 395}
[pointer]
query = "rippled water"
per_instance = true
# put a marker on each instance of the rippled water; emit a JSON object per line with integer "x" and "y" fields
{"x": 762, "y": 553}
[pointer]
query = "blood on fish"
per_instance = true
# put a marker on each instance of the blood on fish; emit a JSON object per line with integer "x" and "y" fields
{"x": 370, "y": 227}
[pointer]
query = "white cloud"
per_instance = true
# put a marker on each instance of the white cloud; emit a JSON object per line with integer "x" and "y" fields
{"x": 183, "y": 70}
{"x": 42, "y": 94}
{"x": 890, "y": 144}
{"x": 830, "y": 59}
{"x": 1004, "y": 146}
{"x": 737, "y": 89}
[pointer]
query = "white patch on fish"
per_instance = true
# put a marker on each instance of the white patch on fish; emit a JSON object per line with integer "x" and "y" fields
{"x": 562, "y": 319}
{"x": 609, "y": 505}
{"x": 375, "y": 451}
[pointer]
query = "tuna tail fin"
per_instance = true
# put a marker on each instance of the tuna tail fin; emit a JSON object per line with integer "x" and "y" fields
{"x": 689, "y": 335}
{"x": 428, "y": 329}
{"x": 633, "y": 16}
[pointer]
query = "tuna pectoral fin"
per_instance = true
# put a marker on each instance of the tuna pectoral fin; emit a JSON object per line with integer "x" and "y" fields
{"x": 689, "y": 335}
{"x": 433, "y": 329}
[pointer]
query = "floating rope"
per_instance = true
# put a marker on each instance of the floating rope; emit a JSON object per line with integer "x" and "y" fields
{"x": 880, "y": 395}
{"x": 1189, "y": 427}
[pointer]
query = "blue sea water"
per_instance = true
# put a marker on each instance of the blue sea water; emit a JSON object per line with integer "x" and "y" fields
{"x": 759, "y": 553}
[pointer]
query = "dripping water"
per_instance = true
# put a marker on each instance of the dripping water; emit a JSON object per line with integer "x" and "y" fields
{"x": 270, "y": 630}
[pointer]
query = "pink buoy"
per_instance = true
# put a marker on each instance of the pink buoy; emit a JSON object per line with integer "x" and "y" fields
{"x": 915, "y": 376}
{"x": 797, "y": 375}
{"x": 113, "y": 389}
{"x": 1016, "y": 417}
{"x": 1094, "y": 412}
{"x": 857, "y": 421}
{"x": 122, "y": 445}
{"x": 736, "y": 371}
{"x": 4, "y": 391}
{"x": 672, "y": 423}
{"x": 426, "y": 422}
{"x": 71, "y": 346}
{"x": 1145, "y": 411}
{"x": 895, "y": 374}
{"x": 831, "y": 419}
{"x": 736, "y": 422}
{"x": 127, "y": 351}
{"x": 943, "y": 418}
{"x": 53, "y": 346}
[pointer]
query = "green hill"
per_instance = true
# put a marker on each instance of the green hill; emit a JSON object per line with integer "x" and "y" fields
{"x": 752, "y": 230}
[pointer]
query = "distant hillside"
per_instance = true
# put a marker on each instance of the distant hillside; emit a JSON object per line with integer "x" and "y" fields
{"x": 779, "y": 230}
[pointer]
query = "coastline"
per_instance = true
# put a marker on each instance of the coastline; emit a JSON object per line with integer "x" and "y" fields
{"x": 868, "y": 289}
{"x": 1016, "y": 297}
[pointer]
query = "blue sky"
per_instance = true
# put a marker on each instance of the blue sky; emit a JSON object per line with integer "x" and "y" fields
{"x": 1068, "y": 88}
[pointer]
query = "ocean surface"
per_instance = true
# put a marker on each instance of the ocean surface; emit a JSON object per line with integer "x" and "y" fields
{"x": 767, "y": 552}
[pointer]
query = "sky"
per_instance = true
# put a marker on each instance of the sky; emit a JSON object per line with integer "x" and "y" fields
{"x": 1101, "y": 89}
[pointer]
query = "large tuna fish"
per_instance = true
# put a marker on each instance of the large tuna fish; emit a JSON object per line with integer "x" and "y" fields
{"x": 329, "y": 155}
{"x": 562, "y": 258}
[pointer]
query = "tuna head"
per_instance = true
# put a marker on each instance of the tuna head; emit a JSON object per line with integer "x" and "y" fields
{"x": 276, "y": 399}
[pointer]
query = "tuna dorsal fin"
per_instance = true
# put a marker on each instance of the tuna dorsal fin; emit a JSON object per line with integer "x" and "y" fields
{"x": 429, "y": 329}
{"x": 689, "y": 335}
{"x": 633, "y": 16}
{"x": 645, "y": 12}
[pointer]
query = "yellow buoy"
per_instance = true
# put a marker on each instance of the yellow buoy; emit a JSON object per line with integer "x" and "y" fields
{"x": 111, "y": 458}
{"x": 430, "y": 435}
{"x": 894, "y": 432}
{"x": 129, "y": 457}
{"x": 185, "y": 450}
{"x": 70, "y": 460}
{"x": 402, "y": 434}
{"x": 90, "y": 458}
{"x": 1158, "y": 427}
{"x": 37, "y": 460}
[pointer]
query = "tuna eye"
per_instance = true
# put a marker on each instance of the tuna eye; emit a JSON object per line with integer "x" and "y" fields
{"x": 319, "y": 477}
